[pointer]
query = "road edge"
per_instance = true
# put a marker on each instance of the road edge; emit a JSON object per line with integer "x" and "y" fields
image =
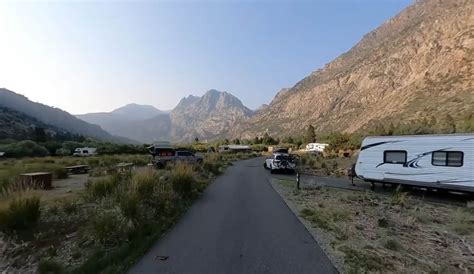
{"x": 336, "y": 262}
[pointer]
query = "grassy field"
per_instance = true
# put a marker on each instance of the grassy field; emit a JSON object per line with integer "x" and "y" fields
{"x": 107, "y": 225}
{"x": 10, "y": 169}
{"x": 366, "y": 232}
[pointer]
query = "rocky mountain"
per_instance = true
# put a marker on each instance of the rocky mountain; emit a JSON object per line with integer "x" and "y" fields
{"x": 208, "y": 117}
{"x": 417, "y": 64}
{"x": 27, "y": 113}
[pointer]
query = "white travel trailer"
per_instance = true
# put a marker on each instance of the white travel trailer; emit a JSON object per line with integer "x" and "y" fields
{"x": 431, "y": 161}
{"x": 85, "y": 151}
{"x": 316, "y": 147}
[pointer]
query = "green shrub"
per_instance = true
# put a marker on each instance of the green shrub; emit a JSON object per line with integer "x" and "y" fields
{"x": 129, "y": 204}
{"x": 103, "y": 187}
{"x": 182, "y": 180}
{"x": 109, "y": 226}
{"x": 24, "y": 149}
{"x": 22, "y": 213}
{"x": 212, "y": 163}
{"x": 49, "y": 266}
{"x": 143, "y": 183}
{"x": 60, "y": 173}
{"x": 399, "y": 198}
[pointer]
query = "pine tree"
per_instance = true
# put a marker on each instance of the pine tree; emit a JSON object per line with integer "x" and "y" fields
{"x": 310, "y": 136}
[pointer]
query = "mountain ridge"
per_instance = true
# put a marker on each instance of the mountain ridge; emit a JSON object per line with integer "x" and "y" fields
{"x": 417, "y": 64}
{"x": 55, "y": 117}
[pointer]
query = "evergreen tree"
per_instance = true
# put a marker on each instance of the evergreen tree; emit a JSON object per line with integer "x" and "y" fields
{"x": 310, "y": 136}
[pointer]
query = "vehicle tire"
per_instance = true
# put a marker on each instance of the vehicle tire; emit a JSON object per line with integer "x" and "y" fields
{"x": 199, "y": 161}
{"x": 160, "y": 165}
{"x": 265, "y": 165}
{"x": 272, "y": 171}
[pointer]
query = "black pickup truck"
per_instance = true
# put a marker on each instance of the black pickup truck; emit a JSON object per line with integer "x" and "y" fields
{"x": 164, "y": 155}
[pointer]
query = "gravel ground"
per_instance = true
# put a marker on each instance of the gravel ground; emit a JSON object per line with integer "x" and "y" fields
{"x": 363, "y": 231}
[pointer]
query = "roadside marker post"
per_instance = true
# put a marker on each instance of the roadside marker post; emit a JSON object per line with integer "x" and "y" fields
{"x": 297, "y": 180}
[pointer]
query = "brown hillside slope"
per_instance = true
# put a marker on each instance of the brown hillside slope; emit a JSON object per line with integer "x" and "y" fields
{"x": 418, "y": 63}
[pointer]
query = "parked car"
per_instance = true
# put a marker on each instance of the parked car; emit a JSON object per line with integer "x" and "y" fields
{"x": 281, "y": 162}
{"x": 84, "y": 151}
{"x": 164, "y": 154}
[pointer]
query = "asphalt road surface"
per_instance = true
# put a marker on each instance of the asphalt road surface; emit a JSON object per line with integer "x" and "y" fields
{"x": 239, "y": 225}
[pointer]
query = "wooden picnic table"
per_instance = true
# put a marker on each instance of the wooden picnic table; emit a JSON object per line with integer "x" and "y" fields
{"x": 125, "y": 167}
{"x": 41, "y": 180}
{"x": 79, "y": 169}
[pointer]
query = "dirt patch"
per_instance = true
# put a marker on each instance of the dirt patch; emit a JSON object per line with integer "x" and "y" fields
{"x": 368, "y": 232}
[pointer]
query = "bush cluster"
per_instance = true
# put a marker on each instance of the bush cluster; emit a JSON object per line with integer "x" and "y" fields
{"x": 30, "y": 148}
{"x": 23, "y": 149}
{"x": 127, "y": 204}
{"x": 102, "y": 187}
{"x": 182, "y": 180}
{"x": 23, "y": 212}
{"x": 212, "y": 163}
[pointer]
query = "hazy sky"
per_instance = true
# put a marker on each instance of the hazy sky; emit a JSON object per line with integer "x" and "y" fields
{"x": 89, "y": 56}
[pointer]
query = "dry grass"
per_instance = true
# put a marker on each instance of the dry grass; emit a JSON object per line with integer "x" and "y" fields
{"x": 108, "y": 224}
{"x": 325, "y": 166}
{"x": 378, "y": 233}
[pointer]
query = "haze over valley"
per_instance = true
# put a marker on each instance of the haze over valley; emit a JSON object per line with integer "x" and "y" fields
{"x": 415, "y": 66}
{"x": 237, "y": 136}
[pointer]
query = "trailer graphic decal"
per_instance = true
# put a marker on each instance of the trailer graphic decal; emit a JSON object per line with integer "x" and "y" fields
{"x": 378, "y": 144}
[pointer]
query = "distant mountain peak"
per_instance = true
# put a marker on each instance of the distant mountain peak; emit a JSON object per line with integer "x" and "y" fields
{"x": 135, "y": 111}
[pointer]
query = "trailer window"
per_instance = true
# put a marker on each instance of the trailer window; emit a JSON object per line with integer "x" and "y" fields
{"x": 395, "y": 157}
{"x": 447, "y": 158}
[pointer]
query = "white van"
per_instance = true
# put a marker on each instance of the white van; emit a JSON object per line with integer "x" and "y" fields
{"x": 432, "y": 161}
{"x": 85, "y": 151}
{"x": 316, "y": 148}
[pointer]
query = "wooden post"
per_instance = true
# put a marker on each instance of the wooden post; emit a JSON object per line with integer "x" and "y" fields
{"x": 297, "y": 180}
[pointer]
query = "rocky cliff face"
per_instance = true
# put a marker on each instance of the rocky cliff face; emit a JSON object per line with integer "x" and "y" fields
{"x": 208, "y": 117}
{"x": 416, "y": 64}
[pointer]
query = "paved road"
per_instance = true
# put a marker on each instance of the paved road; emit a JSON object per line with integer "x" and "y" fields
{"x": 240, "y": 225}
